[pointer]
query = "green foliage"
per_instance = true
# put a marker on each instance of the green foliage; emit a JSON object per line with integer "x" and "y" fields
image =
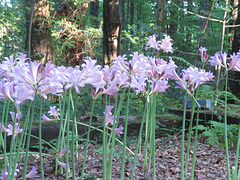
{"x": 215, "y": 133}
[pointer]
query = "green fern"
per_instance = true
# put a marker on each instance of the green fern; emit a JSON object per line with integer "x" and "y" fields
{"x": 180, "y": 59}
{"x": 215, "y": 133}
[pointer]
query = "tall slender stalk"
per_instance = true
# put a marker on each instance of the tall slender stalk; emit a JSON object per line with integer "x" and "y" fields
{"x": 125, "y": 136}
{"x": 67, "y": 136}
{"x": 152, "y": 144}
{"x": 183, "y": 135}
{"x": 40, "y": 139}
{"x": 88, "y": 136}
{"x": 74, "y": 129}
{"x": 195, "y": 146}
{"x": 104, "y": 152}
{"x": 225, "y": 129}
{"x": 237, "y": 155}
{"x": 139, "y": 140}
{"x": 113, "y": 139}
{"x": 29, "y": 135}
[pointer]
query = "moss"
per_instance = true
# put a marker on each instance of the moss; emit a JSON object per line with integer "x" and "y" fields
{"x": 170, "y": 117}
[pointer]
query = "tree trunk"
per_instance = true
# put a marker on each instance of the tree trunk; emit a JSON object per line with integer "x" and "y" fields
{"x": 39, "y": 40}
{"x": 160, "y": 8}
{"x": 236, "y": 30}
{"x": 235, "y": 76}
{"x": 111, "y": 30}
{"x": 94, "y": 11}
{"x": 123, "y": 26}
{"x": 139, "y": 14}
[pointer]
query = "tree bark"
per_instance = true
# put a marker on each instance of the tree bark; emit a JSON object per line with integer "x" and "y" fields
{"x": 94, "y": 12}
{"x": 39, "y": 40}
{"x": 160, "y": 8}
{"x": 111, "y": 30}
{"x": 236, "y": 30}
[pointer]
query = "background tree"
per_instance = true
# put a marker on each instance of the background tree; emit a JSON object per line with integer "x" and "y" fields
{"x": 111, "y": 30}
{"x": 38, "y": 26}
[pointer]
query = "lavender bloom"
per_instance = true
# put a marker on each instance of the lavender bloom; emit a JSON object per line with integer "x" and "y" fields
{"x": 64, "y": 166}
{"x": 6, "y": 90}
{"x": 54, "y": 112}
{"x": 119, "y": 130}
{"x": 29, "y": 74}
{"x": 109, "y": 116}
{"x": 152, "y": 42}
{"x": 159, "y": 86}
{"x": 192, "y": 78}
{"x": 45, "y": 118}
{"x": 4, "y": 175}
{"x": 32, "y": 173}
{"x": 166, "y": 44}
{"x": 16, "y": 130}
{"x": 75, "y": 78}
{"x": 138, "y": 84}
{"x": 234, "y": 62}
{"x": 62, "y": 152}
{"x": 204, "y": 55}
{"x": 218, "y": 59}
{"x": 120, "y": 64}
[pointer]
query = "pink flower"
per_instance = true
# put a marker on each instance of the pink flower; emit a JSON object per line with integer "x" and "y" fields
{"x": 120, "y": 64}
{"x": 75, "y": 79}
{"x": 16, "y": 130}
{"x": 64, "y": 166}
{"x": 109, "y": 116}
{"x": 54, "y": 112}
{"x": 119, "y": 130}
{"x": 159, "y": 86}
{"x": 3, "y": 128}
{"x": 45, "y": 118}
{"x": 234, "y": 62}
{"x": 32, "y": 173}
{"x": 18, "y": 116}
{"x": 219, "y": 59}
{"x": 166, "y": 44}
{"x": 29, "y": 74}
{"x": 152, "y": 42}
{"x": 192, "y": 78}
{"x": 204, "y": 55}
{"x": 138, "y": 84}
{"x": 4, "y": 175}
{"x": 62, "y": 152}
{"x": 6, "y": 89}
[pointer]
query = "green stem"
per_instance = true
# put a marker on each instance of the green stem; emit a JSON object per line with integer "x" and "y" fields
{"x": 152, "y": 144}
{"x": 88, "y": 136}
{"x": 59, "y": 144}
{"x": 125, "y": 137}
{"x": 190, "y": 133}
{"x": 225, "y": 129}
{"x": 146, "y": 137}
{"x": 74, "y": 129}
{"x": 12, "y": 148}
{"x": 22, "y": 135}
{"x": 195, "y": 146}
{"x": 139, "y": 140}
{"x": 28, "y": 137}
{"x": 237, "y": 155}
{"x": 183, "y": 134}
{"x": 40, "y": 139}
{"x": 113, "y": 139}
{"x": 67, "y": 143}
{"x": 104, "y": 155}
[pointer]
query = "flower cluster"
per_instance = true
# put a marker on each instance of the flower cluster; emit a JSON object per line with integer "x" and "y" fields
{"x": 220, "y": 59}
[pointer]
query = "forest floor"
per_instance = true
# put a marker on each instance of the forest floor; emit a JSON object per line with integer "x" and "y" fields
{"x": 210, "y": 162}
